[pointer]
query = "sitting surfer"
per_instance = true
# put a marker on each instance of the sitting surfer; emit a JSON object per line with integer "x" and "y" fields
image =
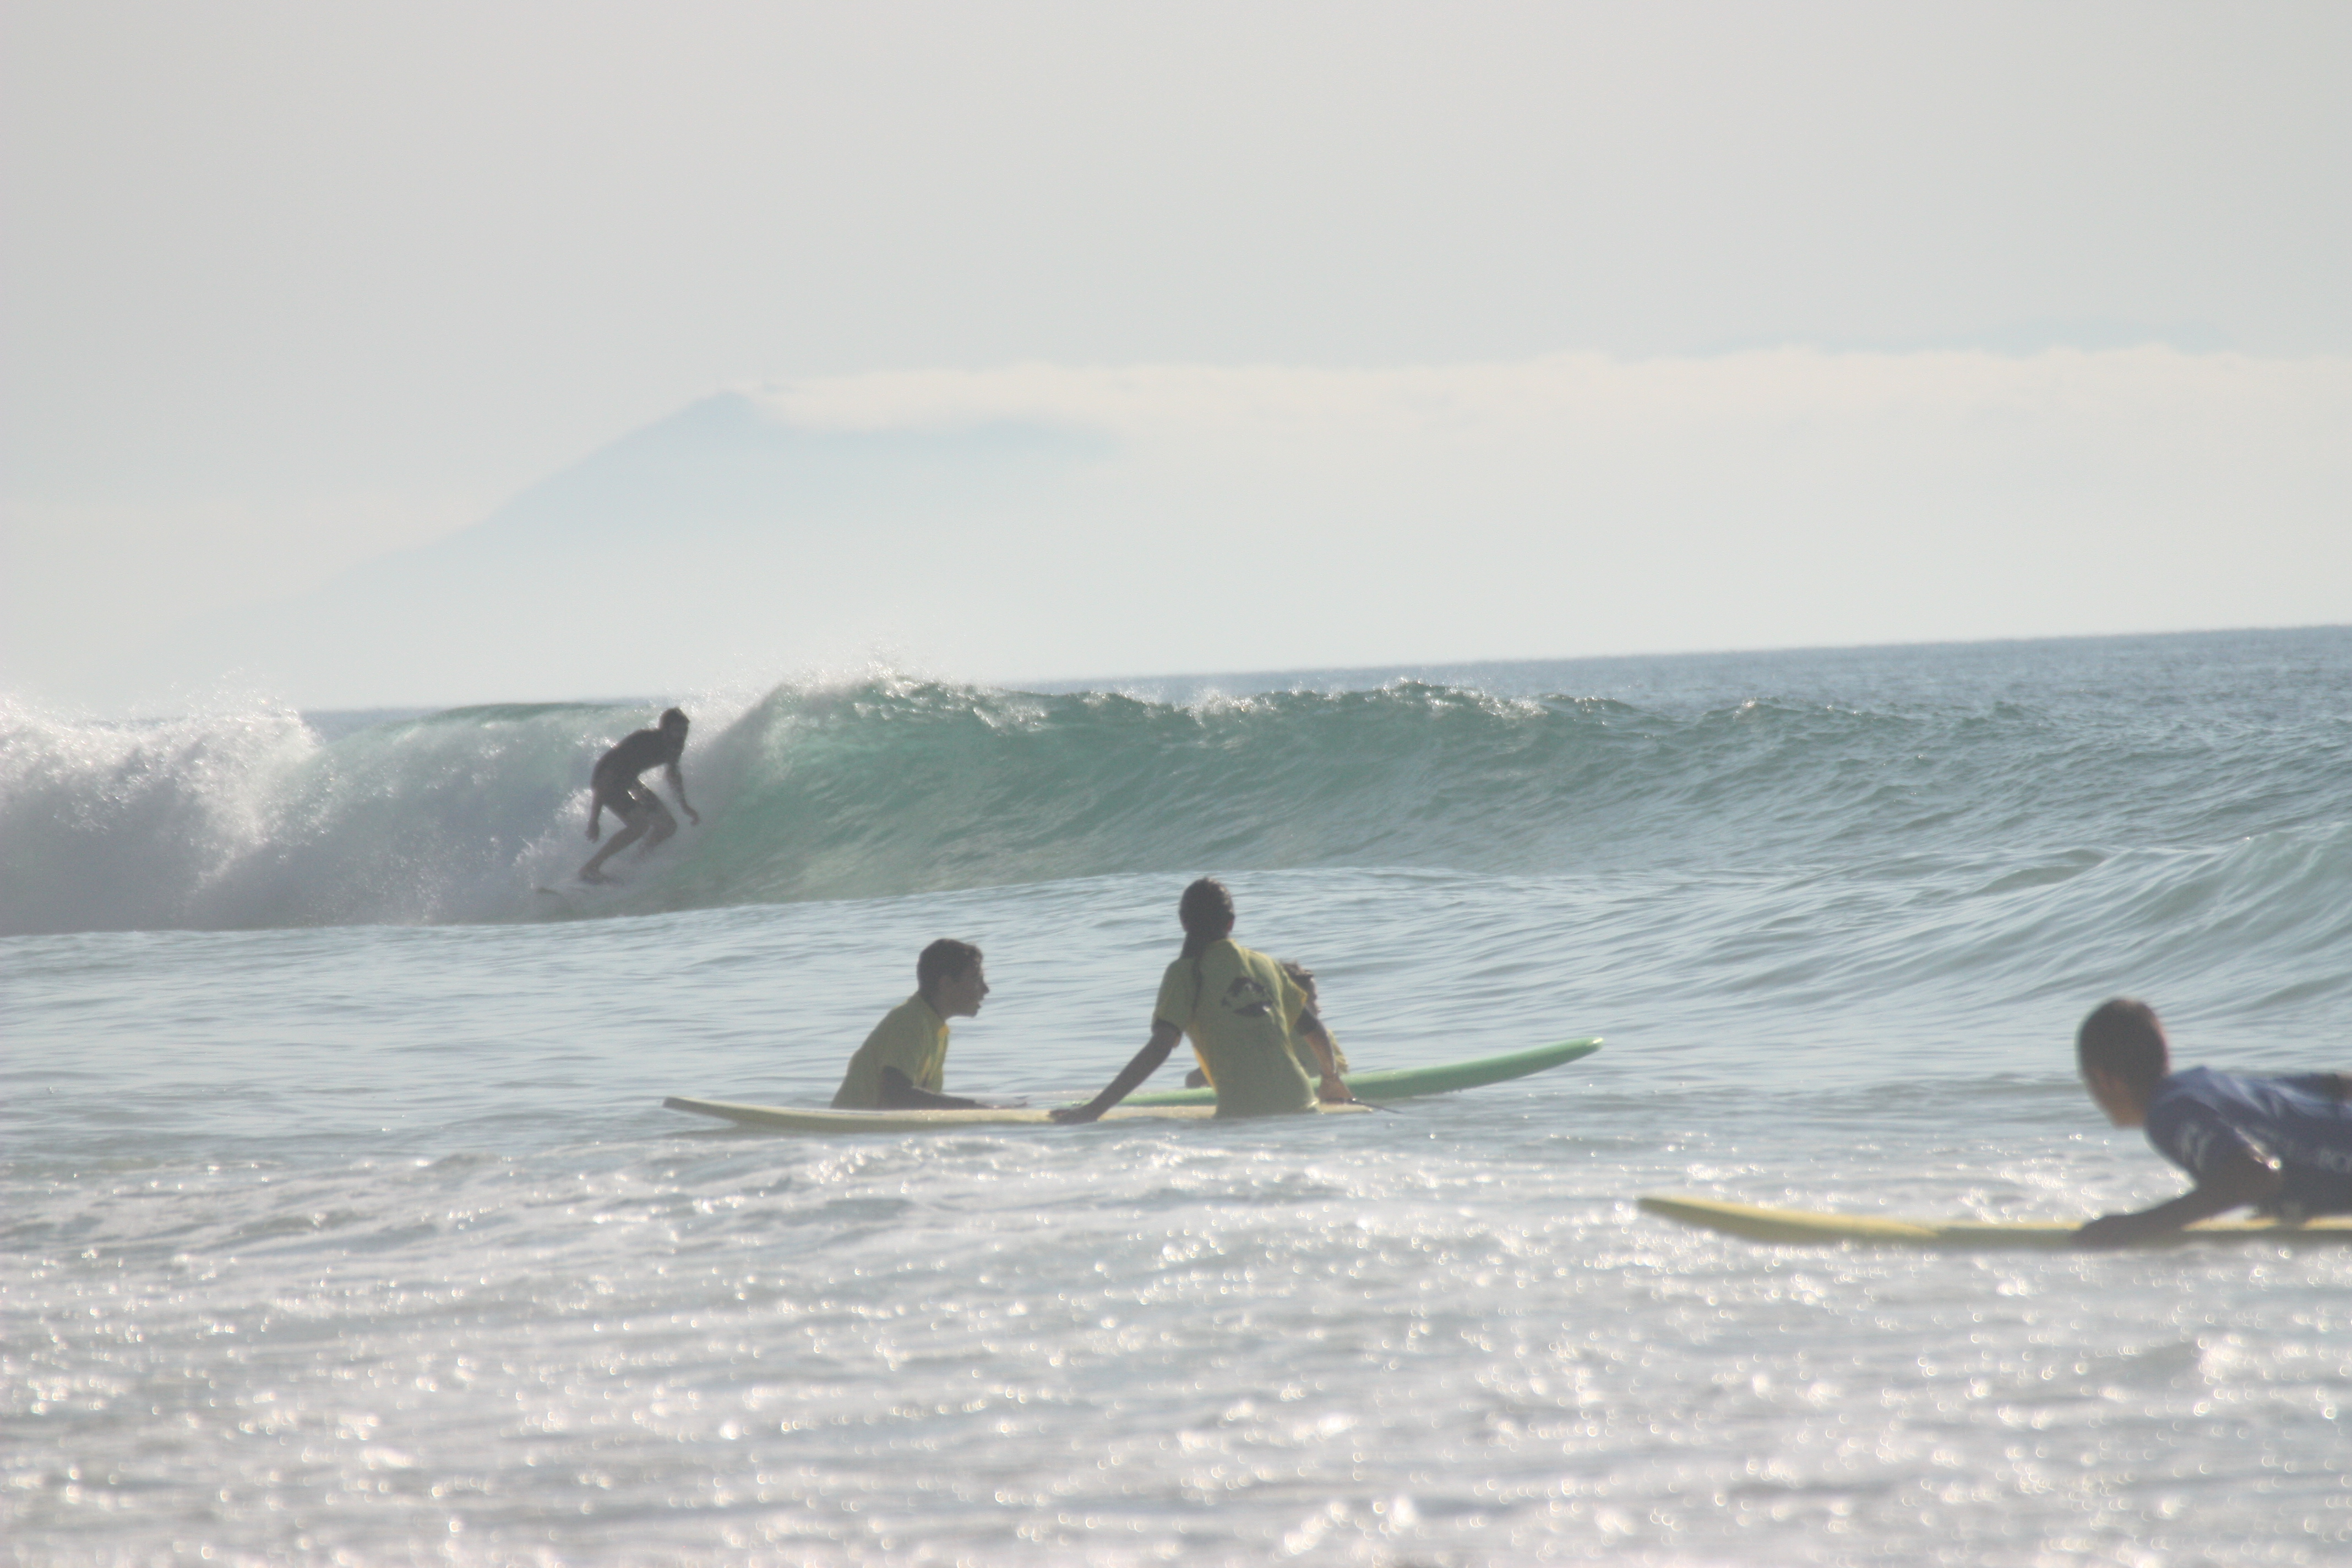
{"x": 615, "y": 787}
{"x": 2282, "y": 1145}
{"x": 1304, "y": 978}
{"x": 903, "y": 1062}
{"x": 1245, "y": 1016}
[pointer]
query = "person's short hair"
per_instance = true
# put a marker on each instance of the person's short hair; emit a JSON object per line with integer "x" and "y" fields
{"x": 946, "y": 959}
{"x": 673, "y": 716}
{"x": 1206, "y": 909}
{"x": 1300, "y": 976}
{"x": 2123, "y": 1038}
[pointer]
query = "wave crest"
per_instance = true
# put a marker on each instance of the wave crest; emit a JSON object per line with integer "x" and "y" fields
{"x": 890, "y": 785}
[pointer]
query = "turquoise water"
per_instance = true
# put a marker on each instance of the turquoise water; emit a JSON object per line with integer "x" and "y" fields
{"x": 341, "y": 1214}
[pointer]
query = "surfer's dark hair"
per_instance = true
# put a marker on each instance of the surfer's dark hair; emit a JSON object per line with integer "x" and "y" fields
{"x": 1207, "y": 911}
{"x": 1300, "y": 976}
{"x": 673, "y": 716}
{"x": 2122, "y": 1037}
{"x": 946, "y": 959}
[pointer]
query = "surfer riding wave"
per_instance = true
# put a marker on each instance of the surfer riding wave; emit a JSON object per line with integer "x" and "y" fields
{"x": 615, "y": 786}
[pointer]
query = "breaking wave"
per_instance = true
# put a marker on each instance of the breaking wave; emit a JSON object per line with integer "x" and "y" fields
{"x": 263, "y": 817}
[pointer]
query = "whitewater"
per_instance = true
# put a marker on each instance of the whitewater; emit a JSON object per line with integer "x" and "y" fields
{"x": 340, "y": 1219}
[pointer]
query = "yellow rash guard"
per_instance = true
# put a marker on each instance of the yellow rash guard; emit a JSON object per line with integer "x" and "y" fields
{"x": 1240, "y": 1010}
{"x": 910, "y": 1038}
{"x": 1300, "y": 1049}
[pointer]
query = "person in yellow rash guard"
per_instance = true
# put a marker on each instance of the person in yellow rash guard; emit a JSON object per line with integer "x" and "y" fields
{"x": 1243, "y": 1013}
{"x": 904, "y": 1061}
{"x": 1304, "y": 978}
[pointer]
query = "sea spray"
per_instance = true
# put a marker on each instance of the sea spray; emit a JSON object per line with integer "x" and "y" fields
{"x": 249, "y": 818}
{"x": 111, "y": 826}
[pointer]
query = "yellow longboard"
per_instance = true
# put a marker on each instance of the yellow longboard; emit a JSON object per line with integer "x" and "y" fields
{"x": 1798, "y": 1226}
{"x": 792, "y": 1118}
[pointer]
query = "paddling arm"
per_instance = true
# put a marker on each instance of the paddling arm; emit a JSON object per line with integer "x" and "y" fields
{"x": 1145, "y": 1063}
{"x": 2241, "y": 1178}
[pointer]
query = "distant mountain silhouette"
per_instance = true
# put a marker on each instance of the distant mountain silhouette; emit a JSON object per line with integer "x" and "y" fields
{"x": 1043, "y": 522}
{"x": 719, "y": 539}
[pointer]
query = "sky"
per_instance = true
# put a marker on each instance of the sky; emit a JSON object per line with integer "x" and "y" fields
{"x": 284, "y": 287}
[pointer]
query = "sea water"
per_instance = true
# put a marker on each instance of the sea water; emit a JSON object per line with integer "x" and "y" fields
{"x": 342, "y": 1221}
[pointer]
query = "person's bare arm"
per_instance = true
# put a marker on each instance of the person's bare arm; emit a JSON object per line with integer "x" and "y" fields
{"x": 1333, "y": 1090}
{"x": 595, "y": 813}
{"x": 1145, "y": 1063}
{"x": 2242, "y": 1177}
{"x": 677, "y": 787}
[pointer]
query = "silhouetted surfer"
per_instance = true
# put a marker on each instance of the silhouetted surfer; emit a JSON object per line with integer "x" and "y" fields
{"x": 615, "y": 787}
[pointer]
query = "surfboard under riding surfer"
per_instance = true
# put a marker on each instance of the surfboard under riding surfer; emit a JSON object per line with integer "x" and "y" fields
{"x": 615, "y": 786}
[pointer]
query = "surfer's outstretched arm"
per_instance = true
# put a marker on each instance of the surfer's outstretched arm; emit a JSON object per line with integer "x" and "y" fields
{"x": 596, "y": 815}
{"x": 1145, "y": 1063}
{"x": 677, "y": 787}
{"x": 2238, "y": 1177}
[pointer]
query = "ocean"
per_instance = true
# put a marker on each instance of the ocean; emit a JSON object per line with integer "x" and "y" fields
{"x": 342, "y": 1221}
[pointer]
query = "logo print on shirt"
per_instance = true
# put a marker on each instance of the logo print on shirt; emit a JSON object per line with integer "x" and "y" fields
{"x": 1247, "y": 998}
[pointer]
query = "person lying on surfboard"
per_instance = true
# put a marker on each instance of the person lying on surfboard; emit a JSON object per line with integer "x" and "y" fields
{"x": 1304, "y": 978}
{"x": 903, "y": 1062}
{"x": 1245, "y": 1016}
{"x": 2282, "y": 1145}
{"x": 613, "y": 787}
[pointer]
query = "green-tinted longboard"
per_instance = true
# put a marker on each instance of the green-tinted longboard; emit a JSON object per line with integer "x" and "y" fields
{"x": 1798, "y": 1226}
{"x": 792, "y": 1118}
{"x": 1404, "y": 1083}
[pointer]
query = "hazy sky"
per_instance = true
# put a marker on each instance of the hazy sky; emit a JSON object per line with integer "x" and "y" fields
{"x": 283, "y": 286}
{"x": 1018, "y": 525}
